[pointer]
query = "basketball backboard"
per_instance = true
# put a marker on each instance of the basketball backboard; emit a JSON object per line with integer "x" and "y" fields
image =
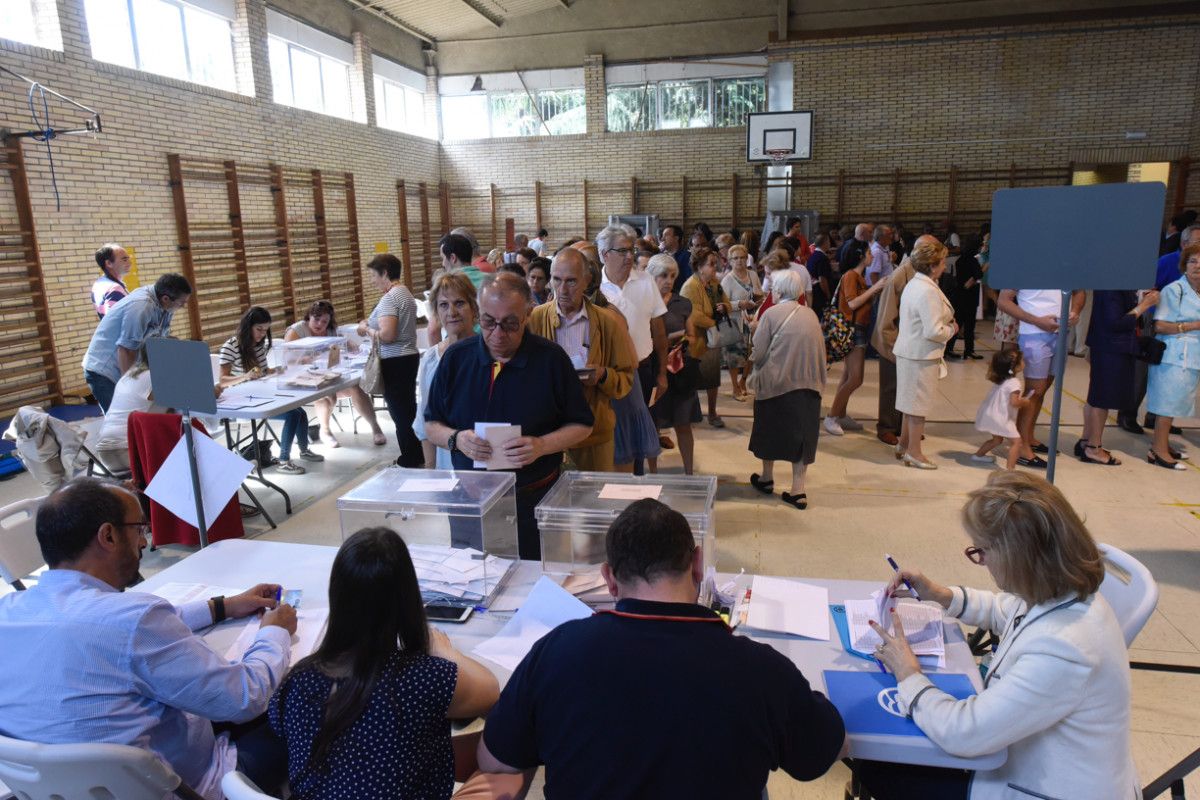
{"x": 779, "y": 130}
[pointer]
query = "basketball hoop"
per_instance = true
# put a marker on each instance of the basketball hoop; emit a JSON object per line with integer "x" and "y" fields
{"x": 779, "y": 156}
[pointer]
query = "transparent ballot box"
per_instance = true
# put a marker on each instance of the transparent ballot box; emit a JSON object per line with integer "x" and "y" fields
{"x": 324, "y": 352}
{"x": 574, "y": 517}
{"x": 460, "y": 527}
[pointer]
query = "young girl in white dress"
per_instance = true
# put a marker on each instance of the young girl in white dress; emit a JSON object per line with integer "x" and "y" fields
{"x": 997, "y": 414}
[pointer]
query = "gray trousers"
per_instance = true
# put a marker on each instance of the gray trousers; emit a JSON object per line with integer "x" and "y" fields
{"x": 889, "y": 417}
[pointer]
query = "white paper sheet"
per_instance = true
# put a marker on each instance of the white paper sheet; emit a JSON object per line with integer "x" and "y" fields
{"x": 922, "y": 625}
{"x": 221, "y": 473}
{"x": 497, "y": 433}
{"x": 546, "y": 607}
{"x": 310, "y": 627}
{"x": 178, "y": 594}
{"x": 428, "y": 485}
{"x": 630, "y": 491}
{"x": 785, "y": 606}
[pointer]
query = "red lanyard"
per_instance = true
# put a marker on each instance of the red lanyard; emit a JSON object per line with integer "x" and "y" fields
{"x": 665, "y": 618}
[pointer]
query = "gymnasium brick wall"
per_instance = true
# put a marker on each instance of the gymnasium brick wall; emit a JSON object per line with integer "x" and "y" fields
{"x": 114, "y": 187}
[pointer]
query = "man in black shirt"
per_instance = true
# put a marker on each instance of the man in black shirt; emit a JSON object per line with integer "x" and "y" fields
{"x": 821, "y": 272}
{"x": 658, "y": 699}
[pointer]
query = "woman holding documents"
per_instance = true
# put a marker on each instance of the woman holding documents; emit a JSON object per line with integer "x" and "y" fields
{"x": 367, "y": 715}
{"x": 245, "y": 354}
{"x": 319, "y": 320}
{"x": 1056, "y": 692}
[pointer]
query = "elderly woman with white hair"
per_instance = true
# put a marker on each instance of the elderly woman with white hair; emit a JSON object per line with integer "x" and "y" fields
{"x": 788, "y": 378}
{"x": 679, "y": 406}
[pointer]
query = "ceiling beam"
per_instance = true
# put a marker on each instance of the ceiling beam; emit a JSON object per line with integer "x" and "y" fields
{"x": 477, "y": 7}
{"x": 393, "y": 20}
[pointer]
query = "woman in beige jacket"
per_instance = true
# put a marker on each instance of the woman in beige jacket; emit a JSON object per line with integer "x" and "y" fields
{"x": 926, "y": 324}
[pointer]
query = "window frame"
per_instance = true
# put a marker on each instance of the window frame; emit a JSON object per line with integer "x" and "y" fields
{"x": 180, "y": 7}
{"x": 321, "y": 59}
{"x": 541, "y": 127}
{"x": 653, "y": 89}
{"x": 383, "y": 112}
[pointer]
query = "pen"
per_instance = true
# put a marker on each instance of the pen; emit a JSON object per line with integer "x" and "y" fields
{"x": 278, "y": 595}
{"x": 896, "y": 567}
{"x": 881, "y": 667}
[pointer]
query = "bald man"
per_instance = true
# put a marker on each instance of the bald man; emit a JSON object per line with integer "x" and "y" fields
{"x": 598, "y": 346}
{"x": 883, "y": 338}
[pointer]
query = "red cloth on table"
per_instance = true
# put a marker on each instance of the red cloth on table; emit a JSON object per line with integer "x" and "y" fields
{"x": 152, "y": 437}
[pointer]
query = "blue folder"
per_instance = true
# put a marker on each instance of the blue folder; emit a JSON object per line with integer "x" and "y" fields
{"x": 838, "y": 612}
{"x": 868, "y": 703}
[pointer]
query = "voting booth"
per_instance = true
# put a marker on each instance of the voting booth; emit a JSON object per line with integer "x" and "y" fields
{"x": 574, "y": 517}
{"x": 460, "y": 527}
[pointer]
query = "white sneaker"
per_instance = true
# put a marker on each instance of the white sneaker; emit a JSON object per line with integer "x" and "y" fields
{"x": 986, "y": 458}
{"x": 849, "y": 424}
{"x": 833, "y": 428}
{"x": 290, "y": 468}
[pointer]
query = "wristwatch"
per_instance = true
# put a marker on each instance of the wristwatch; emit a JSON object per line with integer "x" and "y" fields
{"x": 452, "y": 442}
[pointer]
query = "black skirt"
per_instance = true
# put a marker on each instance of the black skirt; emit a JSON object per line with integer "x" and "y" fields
{"x": 1110, "y": 383}
{"x": 786, "y": 427}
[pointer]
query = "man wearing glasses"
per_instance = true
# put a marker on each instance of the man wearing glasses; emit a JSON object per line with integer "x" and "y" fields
{"x": 509, "y": 376}
{"x": 86, "y": 661}
{"x": 637, "y": 298}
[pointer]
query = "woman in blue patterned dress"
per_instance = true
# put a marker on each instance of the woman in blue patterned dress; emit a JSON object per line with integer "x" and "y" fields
{"x": 1171, "y": 391}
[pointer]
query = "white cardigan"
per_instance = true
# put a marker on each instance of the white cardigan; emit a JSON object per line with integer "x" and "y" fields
{"x": 926, "y": 321}
{"x": 1056, "y": 695}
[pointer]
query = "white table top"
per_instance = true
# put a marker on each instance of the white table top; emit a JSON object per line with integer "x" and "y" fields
{"x": 280, "y": 399}
{"x": 241, "y": 563}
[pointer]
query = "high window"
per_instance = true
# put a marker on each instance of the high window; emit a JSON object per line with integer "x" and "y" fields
{"x": 535, "y": 103}
{"x": 31, "y": 22}
{"x": 399, "y": 98}
{"x": 716, "y": 93}
{"x": 191, "y": 42}
{"x": 309, "y": 69}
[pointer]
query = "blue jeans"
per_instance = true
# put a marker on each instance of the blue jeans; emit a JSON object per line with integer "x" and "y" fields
{"x": 295, "y": 426}
{"x": 102, "y": 388}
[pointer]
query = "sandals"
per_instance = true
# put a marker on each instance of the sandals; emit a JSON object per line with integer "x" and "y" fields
{"x": 799, "y": 501}
{"x": 1035, "y": 462}
{"x": 1039, "y": 448}
{"x": 1153, "y": 458}
{"x": 766, "y": 487}
{"x": 1081, "y": 448}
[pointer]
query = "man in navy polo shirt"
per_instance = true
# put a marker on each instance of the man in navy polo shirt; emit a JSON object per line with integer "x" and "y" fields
{"x": 511, "y": 376}
{"x": 658, "y": 698}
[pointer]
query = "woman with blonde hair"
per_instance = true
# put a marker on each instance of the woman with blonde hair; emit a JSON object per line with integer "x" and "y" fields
{"x": 453, "y": 300}
{"x": 1056, "y": 692}
{"x": 926, "y": 324}
{"x": 745, "y": 294}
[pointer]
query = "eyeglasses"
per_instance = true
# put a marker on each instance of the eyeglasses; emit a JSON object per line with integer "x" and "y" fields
{"x": 625, "y": 252}
{"x": 143, "y": 527}
{"x": 975, "y": 554}
{"x": 508, "y": 324}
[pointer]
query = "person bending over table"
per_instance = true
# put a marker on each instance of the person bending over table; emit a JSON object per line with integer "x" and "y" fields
{"x": 320, "y": 320}
{"x": 452, "y": 301}
{"x": 509, "y": 376}
{"x": 657, "y": 698}
{"x": 246, "y": 353}
{"x": 393, "y": 324}
{"x": 86, "y": 661}
{"x": 1056, "y": 693}
{"x": 367, "y": 715}
{"x": 147, "y": 311}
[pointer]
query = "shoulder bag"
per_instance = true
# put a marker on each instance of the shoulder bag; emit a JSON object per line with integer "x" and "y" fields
{"x": 371, "y": 381}
{"x": 753, "y": 381}
{"x": 837, "y": 330}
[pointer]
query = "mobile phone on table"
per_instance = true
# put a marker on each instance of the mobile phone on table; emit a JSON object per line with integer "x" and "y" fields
{"x": 457, "y": 614}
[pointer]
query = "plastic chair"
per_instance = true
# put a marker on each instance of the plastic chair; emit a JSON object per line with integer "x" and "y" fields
{"x": 1129, "y": 588}
{"x": 87, "y": 772}
{"x": 20, "y": 553}
{"x": 237, "y": 786}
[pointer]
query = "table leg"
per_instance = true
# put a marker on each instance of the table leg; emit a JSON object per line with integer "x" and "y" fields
{"x": 258, "y": 473}
{"x": 258, "y": 505}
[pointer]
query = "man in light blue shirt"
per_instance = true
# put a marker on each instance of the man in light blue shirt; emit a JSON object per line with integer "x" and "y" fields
{"x": 119, "y": 336}
{"x": 85, "y": 661}
{"x": 881, "y": 255}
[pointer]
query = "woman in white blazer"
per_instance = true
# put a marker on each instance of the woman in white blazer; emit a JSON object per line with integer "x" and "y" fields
{"x": 926, "y": 324}
{"x": 1056, "y": 693}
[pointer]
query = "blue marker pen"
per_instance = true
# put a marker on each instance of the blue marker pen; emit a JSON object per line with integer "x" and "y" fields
{"x": 896, "y": 567}
{"x": 278, "y": 595}
{"x": 881, "y": 667}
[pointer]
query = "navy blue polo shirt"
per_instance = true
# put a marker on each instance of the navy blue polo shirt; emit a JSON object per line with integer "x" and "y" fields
{"x": 641, "y": 706}
{"x": 537, "y": 389}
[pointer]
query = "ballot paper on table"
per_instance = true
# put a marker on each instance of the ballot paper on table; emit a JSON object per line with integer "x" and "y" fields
{"x": 630, "y": 491}
{"x": 496, "y": 434}
{"x": 221, "y": 472}
{"x": 922, "y": 624}
{"x": 546, "y": 607}
{"x": 310, "y": 627}
{"x": 786, "y": 606}
{"x": 457, "y": 573}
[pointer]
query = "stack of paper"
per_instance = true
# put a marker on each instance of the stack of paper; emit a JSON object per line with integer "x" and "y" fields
{"x": 310, "y": 628}
{"x": 922, "y": 624}
{"x": 785, "y": 606}
{"x": 450, "y": 573}
{"x": 588, "y": 587}
{"x": 546, "y": 607}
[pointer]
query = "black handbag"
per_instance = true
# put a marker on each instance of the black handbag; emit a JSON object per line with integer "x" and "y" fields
{"x": 1150, "y": 349}
{"x": 259, "y": 451}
